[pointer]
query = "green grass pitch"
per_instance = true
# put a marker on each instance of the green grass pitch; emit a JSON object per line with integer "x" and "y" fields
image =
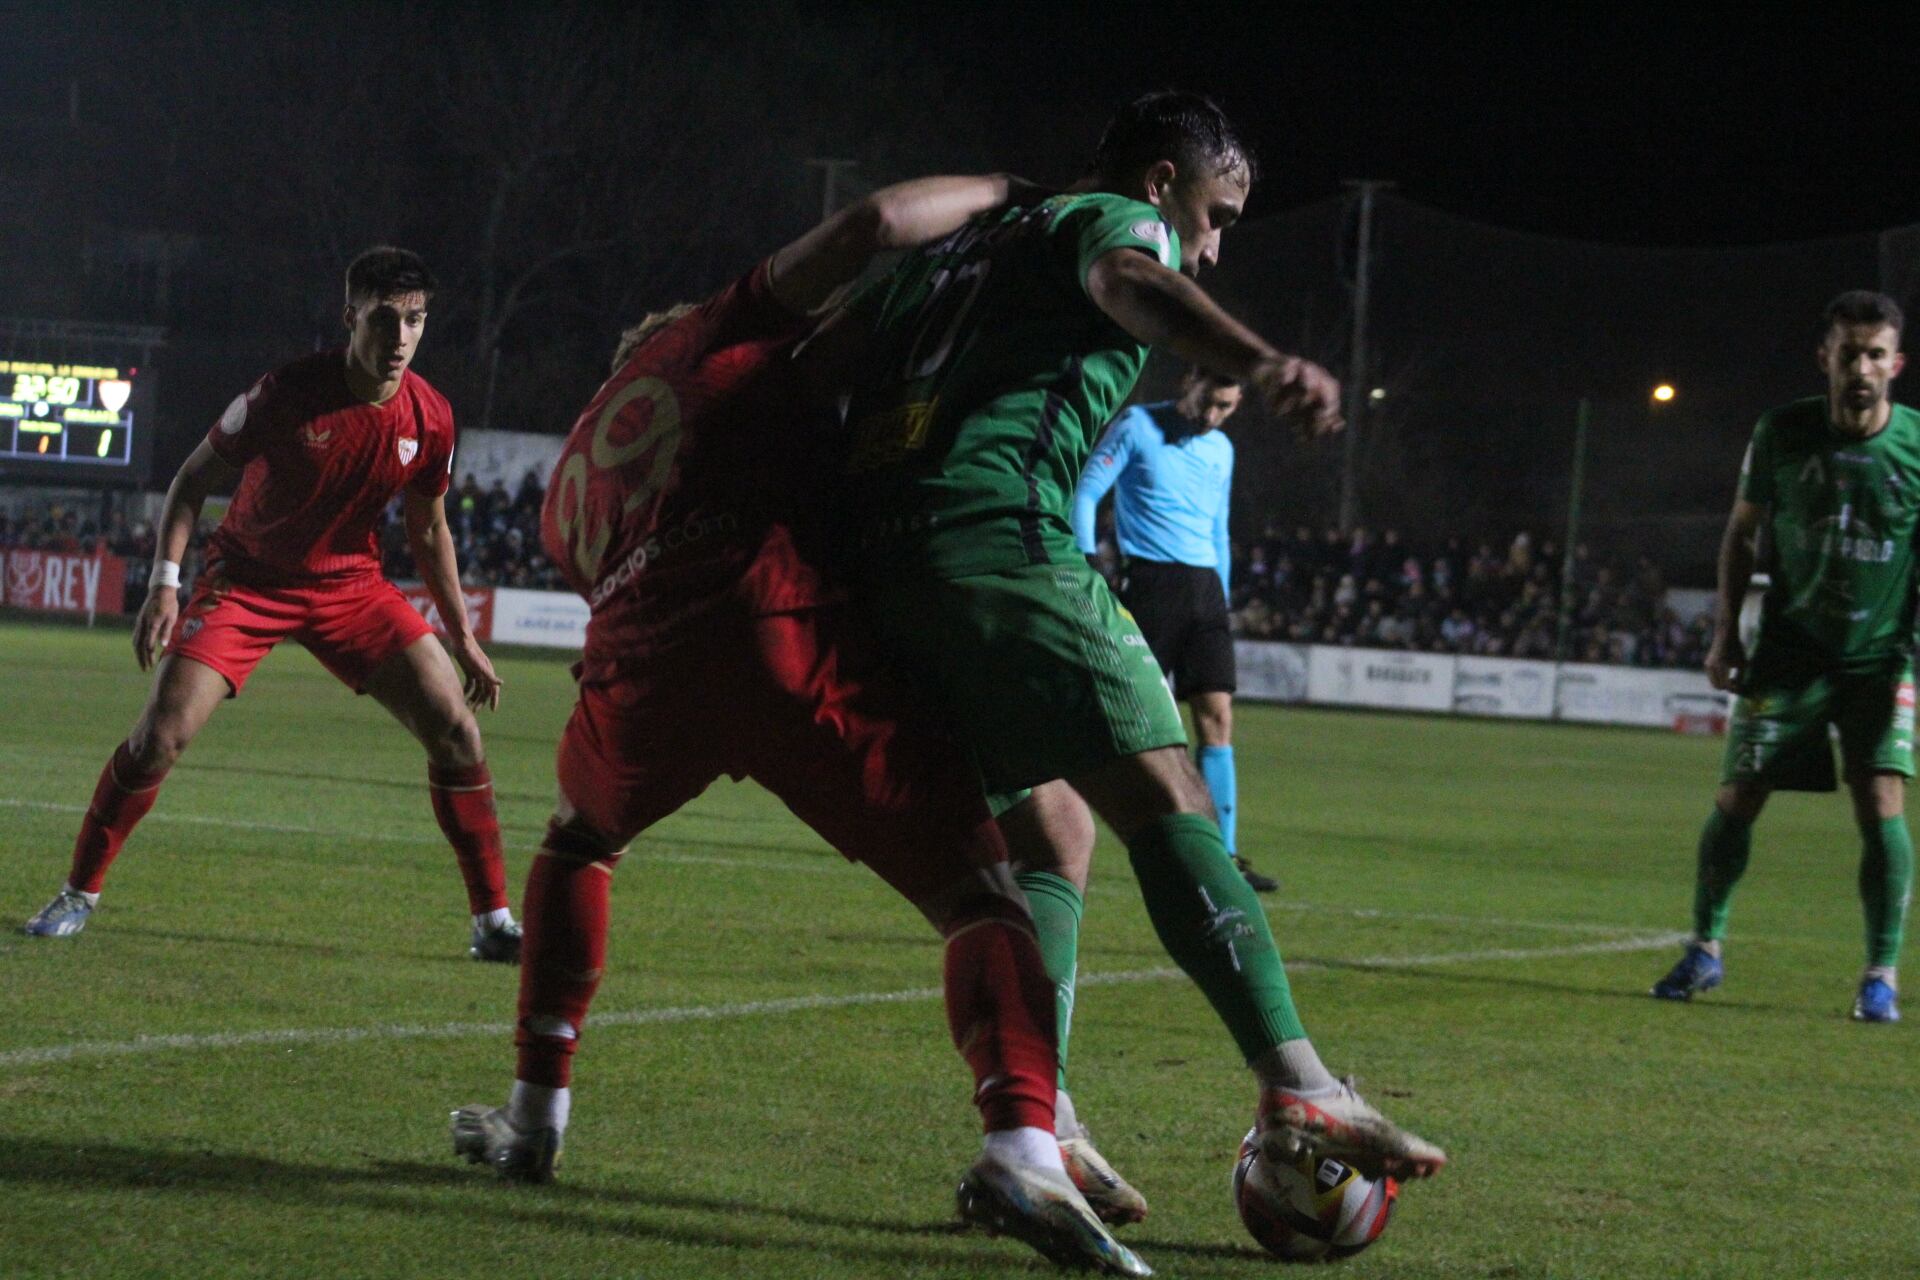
{"x": 244, "y": 1066}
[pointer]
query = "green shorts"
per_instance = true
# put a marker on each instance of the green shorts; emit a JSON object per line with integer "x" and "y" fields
{"x": 1779, "y": 735}
{"x": 1039, "y": 668}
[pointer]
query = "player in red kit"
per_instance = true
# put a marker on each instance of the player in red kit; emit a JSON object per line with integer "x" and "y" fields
{"x": 683, "y": 510}
{"x": 320, "y": 448}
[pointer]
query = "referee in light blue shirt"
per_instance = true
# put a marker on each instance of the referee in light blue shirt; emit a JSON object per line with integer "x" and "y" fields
{"x": 1170, "y": 468}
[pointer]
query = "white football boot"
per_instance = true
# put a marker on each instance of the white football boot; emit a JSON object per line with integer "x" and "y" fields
{"x": 1343, "y": 1125}
{"x": 1043, "y": 1210}
{"x": 65, "y": 916}
{"x": 496, "y": 944}
{"x": 1107, "y": 1193}
{"x": 484, "y": 1136}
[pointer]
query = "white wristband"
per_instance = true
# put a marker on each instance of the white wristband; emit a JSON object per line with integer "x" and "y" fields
{"x": 166, "y": 573}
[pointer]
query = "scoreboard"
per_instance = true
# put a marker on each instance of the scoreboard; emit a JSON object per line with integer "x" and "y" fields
{"x": 66, "y": 415}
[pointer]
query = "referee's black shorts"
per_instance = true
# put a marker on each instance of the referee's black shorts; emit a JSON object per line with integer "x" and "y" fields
{"x": 1183, "y": 613}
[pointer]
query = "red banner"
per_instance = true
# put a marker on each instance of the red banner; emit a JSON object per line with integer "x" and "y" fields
{"x": 479, "y": 609}
{"x": 63, "y": 581}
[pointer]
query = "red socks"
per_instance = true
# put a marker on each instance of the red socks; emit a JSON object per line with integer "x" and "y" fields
{"x": 1000, "y": 1010}
{"x": 463, "y": 803}
{"x": 999, "y": 1001}
{"x": 120, "y": 799}
{"x": 562, "y": 954}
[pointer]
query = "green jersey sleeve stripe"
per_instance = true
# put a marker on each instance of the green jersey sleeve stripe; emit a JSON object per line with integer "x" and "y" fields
{"x": 1037, "y": 453}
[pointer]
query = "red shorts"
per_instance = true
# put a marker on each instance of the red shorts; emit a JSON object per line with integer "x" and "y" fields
{"x": 798, "y": 703}
{"x": 351, "y": 629}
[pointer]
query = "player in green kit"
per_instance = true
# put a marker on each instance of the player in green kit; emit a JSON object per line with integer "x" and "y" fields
{"x": 1835, "y": 482}
{"x": 993, "y": 359}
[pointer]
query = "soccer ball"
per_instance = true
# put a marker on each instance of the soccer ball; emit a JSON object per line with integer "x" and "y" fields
{"x": 1311, "y": 1208}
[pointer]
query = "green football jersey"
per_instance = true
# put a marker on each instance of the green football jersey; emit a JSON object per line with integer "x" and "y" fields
{"x": 1841, "y": 521}
{"x": 989, "y": 374}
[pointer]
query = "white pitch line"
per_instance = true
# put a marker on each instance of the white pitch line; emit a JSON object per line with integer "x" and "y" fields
{"x": 1374, "y": 913}
{"x": 401, "y": 837}
{"x": 752, "y": 1008}
{"x": 647, "y": 854}
{"x": 240, "y": 824}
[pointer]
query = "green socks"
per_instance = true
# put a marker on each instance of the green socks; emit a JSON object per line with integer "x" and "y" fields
{"x": 1056, "y": 907}
{"x": 1212, "y": 925}
{"x": 1207, "y": 918}
{"x": 1886, "y": 880}
{"x": 1886, "y": 885}
{"x": 1725, "y": 845}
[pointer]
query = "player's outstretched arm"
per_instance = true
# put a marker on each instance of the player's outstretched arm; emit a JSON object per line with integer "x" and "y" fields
{"x": 1163, "y": 308}
{"x": 199, "y": 475}
{"x": 433, "y": 554}
{"x": 1108, "y": 460}
{"x": 807, "y": 273}
{"x": 1727, "y": 658}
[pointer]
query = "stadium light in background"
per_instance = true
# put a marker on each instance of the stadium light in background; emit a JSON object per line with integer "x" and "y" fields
{"x": 1664, "y": 392}
{"x": 1377, "y": 394}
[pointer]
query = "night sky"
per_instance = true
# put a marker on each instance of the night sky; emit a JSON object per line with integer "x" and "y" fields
{"x": 1681, "y": 124}
{"x": 272, "y": 141}
{"x": 1686, "y": 124}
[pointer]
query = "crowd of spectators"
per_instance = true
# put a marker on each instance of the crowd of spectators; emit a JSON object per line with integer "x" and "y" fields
{"x": 1377, "y": 591}
{"x": 64, "y": 529}
{"x": 1325, "y": 587}
{"x": 60, "y": 528}
{"x": 497, "y": 536}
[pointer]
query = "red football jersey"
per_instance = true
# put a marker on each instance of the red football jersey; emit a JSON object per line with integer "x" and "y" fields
{"x": 320, "y": 468}
{"x": 684, "y": 488}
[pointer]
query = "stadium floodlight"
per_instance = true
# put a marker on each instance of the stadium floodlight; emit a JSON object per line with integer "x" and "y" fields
{"x": 1664, "y": 392}
{"x": 1377, "y": 394}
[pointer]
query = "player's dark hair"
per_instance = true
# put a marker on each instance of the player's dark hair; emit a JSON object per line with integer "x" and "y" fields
{"x": 1864, "y": 306}
{"x": 1208, "y": 377}
{"x": 1189, "y": 129}
{"x": 386, "y": 272}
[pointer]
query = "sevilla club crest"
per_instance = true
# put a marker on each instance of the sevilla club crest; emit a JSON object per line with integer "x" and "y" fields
{"x": 408, "y": 447}
{"x": 23, "y": 577}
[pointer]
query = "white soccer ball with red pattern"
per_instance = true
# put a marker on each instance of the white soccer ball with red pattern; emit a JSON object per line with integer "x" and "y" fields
{"x": 1312, "y": 1208}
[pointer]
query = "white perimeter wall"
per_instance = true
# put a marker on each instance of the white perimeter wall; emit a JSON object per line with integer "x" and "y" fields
{"x": 551, "y": 619}
{"x": 1437, "y": 682}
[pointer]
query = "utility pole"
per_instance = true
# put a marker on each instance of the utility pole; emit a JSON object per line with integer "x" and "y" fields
{"x": 831, "y": 169}
{"x": 1357, "y": 367}
{"x": 1582, "y": 418}
{"x": 493, "y": 380}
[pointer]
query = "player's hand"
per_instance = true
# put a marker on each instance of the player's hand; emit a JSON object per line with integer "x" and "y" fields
{"x": 483, "y": 686}
{"x": 1301, "y": 394}
{"x": 1727, "y": 662}
{"x": 153, "y": 627}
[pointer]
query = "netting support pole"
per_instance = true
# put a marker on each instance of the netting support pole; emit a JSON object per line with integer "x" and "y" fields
{"x": 1582, "y": 417}
{"x": 830, "y": 169}
{"x": 1357, "y": 368}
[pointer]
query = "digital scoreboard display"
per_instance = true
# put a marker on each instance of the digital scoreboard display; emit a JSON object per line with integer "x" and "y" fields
{"x": 76, "y": 414}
